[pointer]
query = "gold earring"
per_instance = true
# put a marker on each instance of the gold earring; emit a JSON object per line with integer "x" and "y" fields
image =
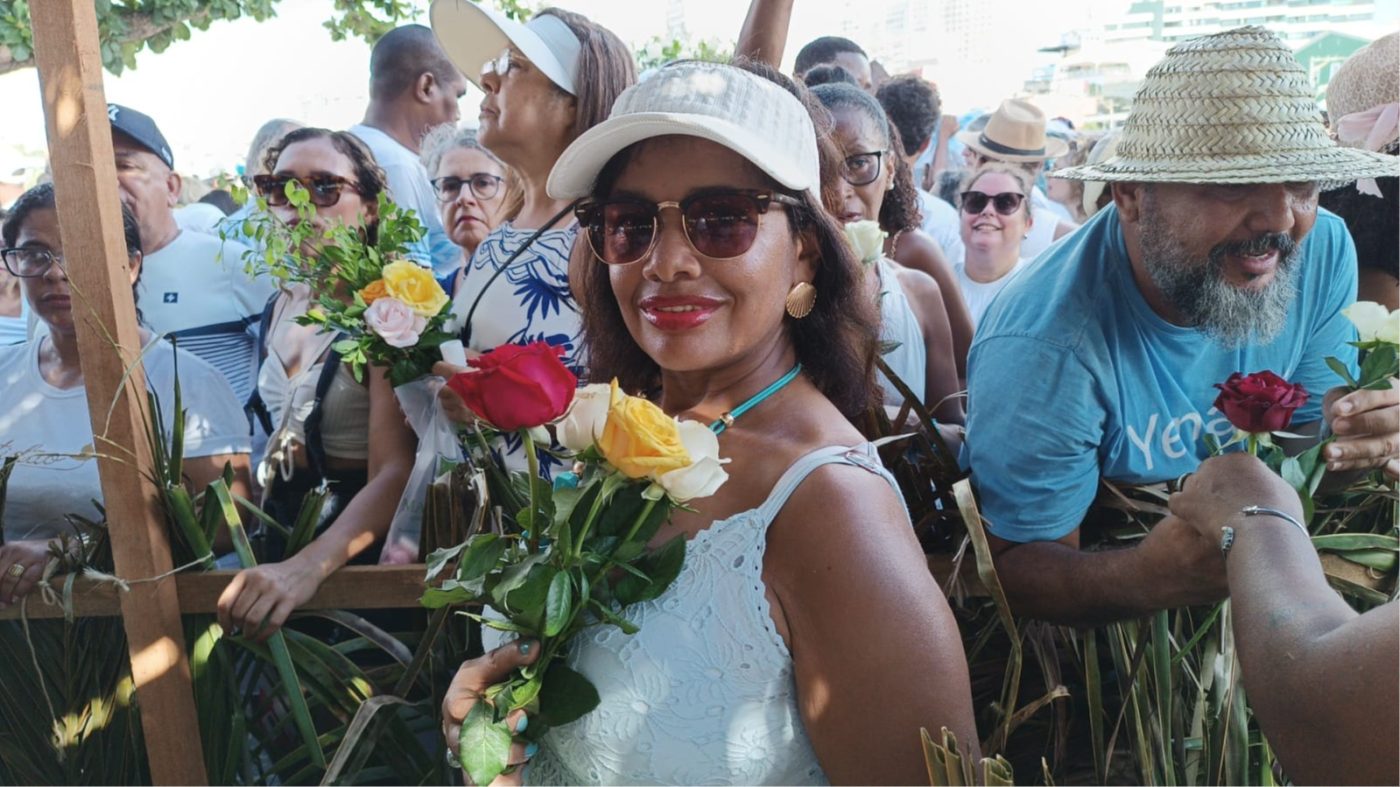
{"x": 800, "y": 300}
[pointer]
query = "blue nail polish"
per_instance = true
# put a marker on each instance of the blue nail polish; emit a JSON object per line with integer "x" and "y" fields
{"x": 524, "y": 648}
{"x": 531, "y": 750}
{"x": 522, "y": 724}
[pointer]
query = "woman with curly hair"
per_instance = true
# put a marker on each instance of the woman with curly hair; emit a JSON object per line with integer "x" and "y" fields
{"x": 921, "y": 311}
{"x": 323, "y": 425}
{"x": 804, "y": 639}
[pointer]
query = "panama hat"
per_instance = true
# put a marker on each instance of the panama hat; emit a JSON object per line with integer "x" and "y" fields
{"x": 1233, "y": 107}
{"x": 1015, "y": 133}
{"x": 472, "y": 34}
{"x": 744, "y": 112}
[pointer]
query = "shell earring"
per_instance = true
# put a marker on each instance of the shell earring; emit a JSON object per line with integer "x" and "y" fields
{"x": 800, "y": 300}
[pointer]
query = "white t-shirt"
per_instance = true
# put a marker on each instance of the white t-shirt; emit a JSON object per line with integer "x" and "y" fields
{"x": 940, "y": 222}
{"x": 200, "y": 217}
{"x": 978, "y": 295}
{"x": 1042, "y": 232}
{"x": 195, "y": 290}
{"x": 49, "y": 429}
{"x": 410, "y": 187}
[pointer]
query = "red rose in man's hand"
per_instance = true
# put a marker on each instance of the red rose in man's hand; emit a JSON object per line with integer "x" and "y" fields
{"x": 1260, "y": 402}
{"x": 517, "y": 386}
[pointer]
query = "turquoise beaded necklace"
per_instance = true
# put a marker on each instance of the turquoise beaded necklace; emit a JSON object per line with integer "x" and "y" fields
{"x": 727, "y": 419}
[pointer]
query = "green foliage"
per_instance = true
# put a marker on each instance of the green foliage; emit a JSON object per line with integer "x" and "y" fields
{"x": 125, "y": 27}
{"x": 658, "y": 52}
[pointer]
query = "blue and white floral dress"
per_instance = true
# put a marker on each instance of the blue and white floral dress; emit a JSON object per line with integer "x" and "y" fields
{"x": 530, "y": 301}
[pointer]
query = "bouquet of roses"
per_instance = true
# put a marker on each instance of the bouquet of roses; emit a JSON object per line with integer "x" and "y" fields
{"x": 388, "y": 310}
{"x": 576, "y": 553}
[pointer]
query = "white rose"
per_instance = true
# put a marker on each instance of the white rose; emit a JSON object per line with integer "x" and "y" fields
{"x": 1373, "y": 322}
{"x": 586, "y": 417}
{"x": 867, "y": 239}
{"x": 1390, "y": 331}
{"x": 398, "y": 325}
{"x": 705, "y": 473}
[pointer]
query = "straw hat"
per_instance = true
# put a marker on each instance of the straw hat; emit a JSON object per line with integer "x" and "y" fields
{"x": 1368, "y": 79}
{"x": 1015, "y": 133}
{"x": 1234, "y": 107}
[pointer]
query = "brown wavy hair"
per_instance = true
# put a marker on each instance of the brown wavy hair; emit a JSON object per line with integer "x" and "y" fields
{"x": 836, "y": 343}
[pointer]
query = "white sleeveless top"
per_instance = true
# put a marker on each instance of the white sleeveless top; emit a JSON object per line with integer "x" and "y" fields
{"x": 704, "y": 693}
{"x": 898, "y": 325}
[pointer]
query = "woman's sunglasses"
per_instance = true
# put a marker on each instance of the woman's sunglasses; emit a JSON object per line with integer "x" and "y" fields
{"x": 1005, "y": 203}
{"x": 719, "y": 225}
{"x": 324, "y": 189}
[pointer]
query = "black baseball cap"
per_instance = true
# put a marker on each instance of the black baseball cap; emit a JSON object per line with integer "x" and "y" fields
{"x": 141, "y": 128}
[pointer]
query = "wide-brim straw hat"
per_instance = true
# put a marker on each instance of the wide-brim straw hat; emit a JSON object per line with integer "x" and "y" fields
{"x": 1234, "y": 107}
{"x": 1015, "y": 133}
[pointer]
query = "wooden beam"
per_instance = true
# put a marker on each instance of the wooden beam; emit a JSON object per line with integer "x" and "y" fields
{"x": 352, "y": 587}
{"x": 90, "y": 222}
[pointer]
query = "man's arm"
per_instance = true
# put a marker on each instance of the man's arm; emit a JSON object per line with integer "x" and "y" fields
{"x": 1173, "y": 566}
{"x": 764, "y": 34}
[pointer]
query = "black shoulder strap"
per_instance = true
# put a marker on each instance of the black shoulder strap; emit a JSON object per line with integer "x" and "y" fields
{"x": 254, "y": 407}
{"x": 315, "y": 450}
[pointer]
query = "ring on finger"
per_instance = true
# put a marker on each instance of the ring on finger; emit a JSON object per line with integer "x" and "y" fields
{"x": 1179, "y": 483}
{"x": 16, "y": 570}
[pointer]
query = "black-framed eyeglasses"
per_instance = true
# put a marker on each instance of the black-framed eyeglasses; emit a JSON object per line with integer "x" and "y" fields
{"x": 1005, "y": 203}
{"x": 483, "y": 186}
{"x": 720, "y": 225}
{"x": 30, "y": 261}
{"x": 324, "y": 189}
{"x": 860, "y": 169}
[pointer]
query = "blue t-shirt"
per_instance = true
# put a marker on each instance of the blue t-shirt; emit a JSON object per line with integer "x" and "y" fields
{"x": 1072, "y": 376}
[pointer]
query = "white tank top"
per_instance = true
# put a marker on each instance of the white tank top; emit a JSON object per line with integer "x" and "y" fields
{"x": 704, "y": 693}
{"x": 899, "y": 326}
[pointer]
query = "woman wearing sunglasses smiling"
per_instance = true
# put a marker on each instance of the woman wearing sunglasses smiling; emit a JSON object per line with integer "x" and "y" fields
{"x": 918, "y": 314}
{"x": 323, "y": 425}
{"x": 995, "y": 218}
{"x": 804, "y": 638}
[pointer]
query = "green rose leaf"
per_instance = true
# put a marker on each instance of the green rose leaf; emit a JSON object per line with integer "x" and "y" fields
{"x": 662, "y": 566}
{"x": 558, "y": 604}
{"x": 484, "y": 745}
{"x": 565, "y": 696}
{"x": 483, "y": 552}
{"x": 439, "y": 559}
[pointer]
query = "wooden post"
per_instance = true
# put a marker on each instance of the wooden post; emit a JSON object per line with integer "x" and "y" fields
{"x": 90, "y": 219}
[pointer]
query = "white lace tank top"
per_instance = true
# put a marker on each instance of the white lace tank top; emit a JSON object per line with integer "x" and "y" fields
{"x": 704, "y": 693}
{"x": 898, "y": 325}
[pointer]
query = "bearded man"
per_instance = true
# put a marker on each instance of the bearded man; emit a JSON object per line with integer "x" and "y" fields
{"x": 1100, "y": 361}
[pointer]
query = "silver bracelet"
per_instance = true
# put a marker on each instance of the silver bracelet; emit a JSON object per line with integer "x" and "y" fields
{"x": 1284, "y": 515}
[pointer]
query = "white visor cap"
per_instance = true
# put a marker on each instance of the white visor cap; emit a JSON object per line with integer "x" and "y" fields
{"x": 472, "y": 34}
{"x": 744, "y": 112}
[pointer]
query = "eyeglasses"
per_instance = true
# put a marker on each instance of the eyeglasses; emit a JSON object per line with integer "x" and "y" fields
{"x": 1005, "y": 203}
{"x": 500, "y": 64}
{"x": 483, "y": 186}
{"x": 324, "y": 189}
{"x": 30, "y": 261}
{"x": 861, "y": 169}
{"x": 719, "y": 225}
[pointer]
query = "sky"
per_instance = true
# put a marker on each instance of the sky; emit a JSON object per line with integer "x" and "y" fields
{"x": 211, "y": 93}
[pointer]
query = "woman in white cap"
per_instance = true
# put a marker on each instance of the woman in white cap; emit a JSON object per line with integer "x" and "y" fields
{"x": 804, "y": 639}
{"x": 923, "y": 317}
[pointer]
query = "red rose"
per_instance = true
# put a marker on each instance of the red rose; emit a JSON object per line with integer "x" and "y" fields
{"x": 1260, "y": 402}
{"x": 517, "y": 387}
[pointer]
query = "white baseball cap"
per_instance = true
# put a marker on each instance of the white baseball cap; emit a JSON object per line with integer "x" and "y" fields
{"x": 744, "y": 112}
{"x": 472, "y": 34}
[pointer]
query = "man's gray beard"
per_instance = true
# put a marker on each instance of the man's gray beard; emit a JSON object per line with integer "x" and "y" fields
{"x": 1230, "y": 315}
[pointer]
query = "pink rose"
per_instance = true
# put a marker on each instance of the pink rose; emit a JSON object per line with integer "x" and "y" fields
{"x": 398, "y": 325}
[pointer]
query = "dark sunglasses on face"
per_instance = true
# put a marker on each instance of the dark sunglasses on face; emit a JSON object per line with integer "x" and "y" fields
{"x": 324, "y": 189}
{"x": 862, "y": 169}
{"x": 1005, "y": 203}
{"x": 483, "y": 186}
{"x": 719, "y": 225}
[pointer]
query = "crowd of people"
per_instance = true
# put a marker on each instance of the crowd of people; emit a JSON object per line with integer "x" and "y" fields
{"x": 1063, "y": 303}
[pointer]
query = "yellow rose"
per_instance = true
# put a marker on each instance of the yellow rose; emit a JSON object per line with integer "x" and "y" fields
{"x": 639, "y": 439}
{"x": 415, "y": 286}
{"x": 374, "y": 291}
